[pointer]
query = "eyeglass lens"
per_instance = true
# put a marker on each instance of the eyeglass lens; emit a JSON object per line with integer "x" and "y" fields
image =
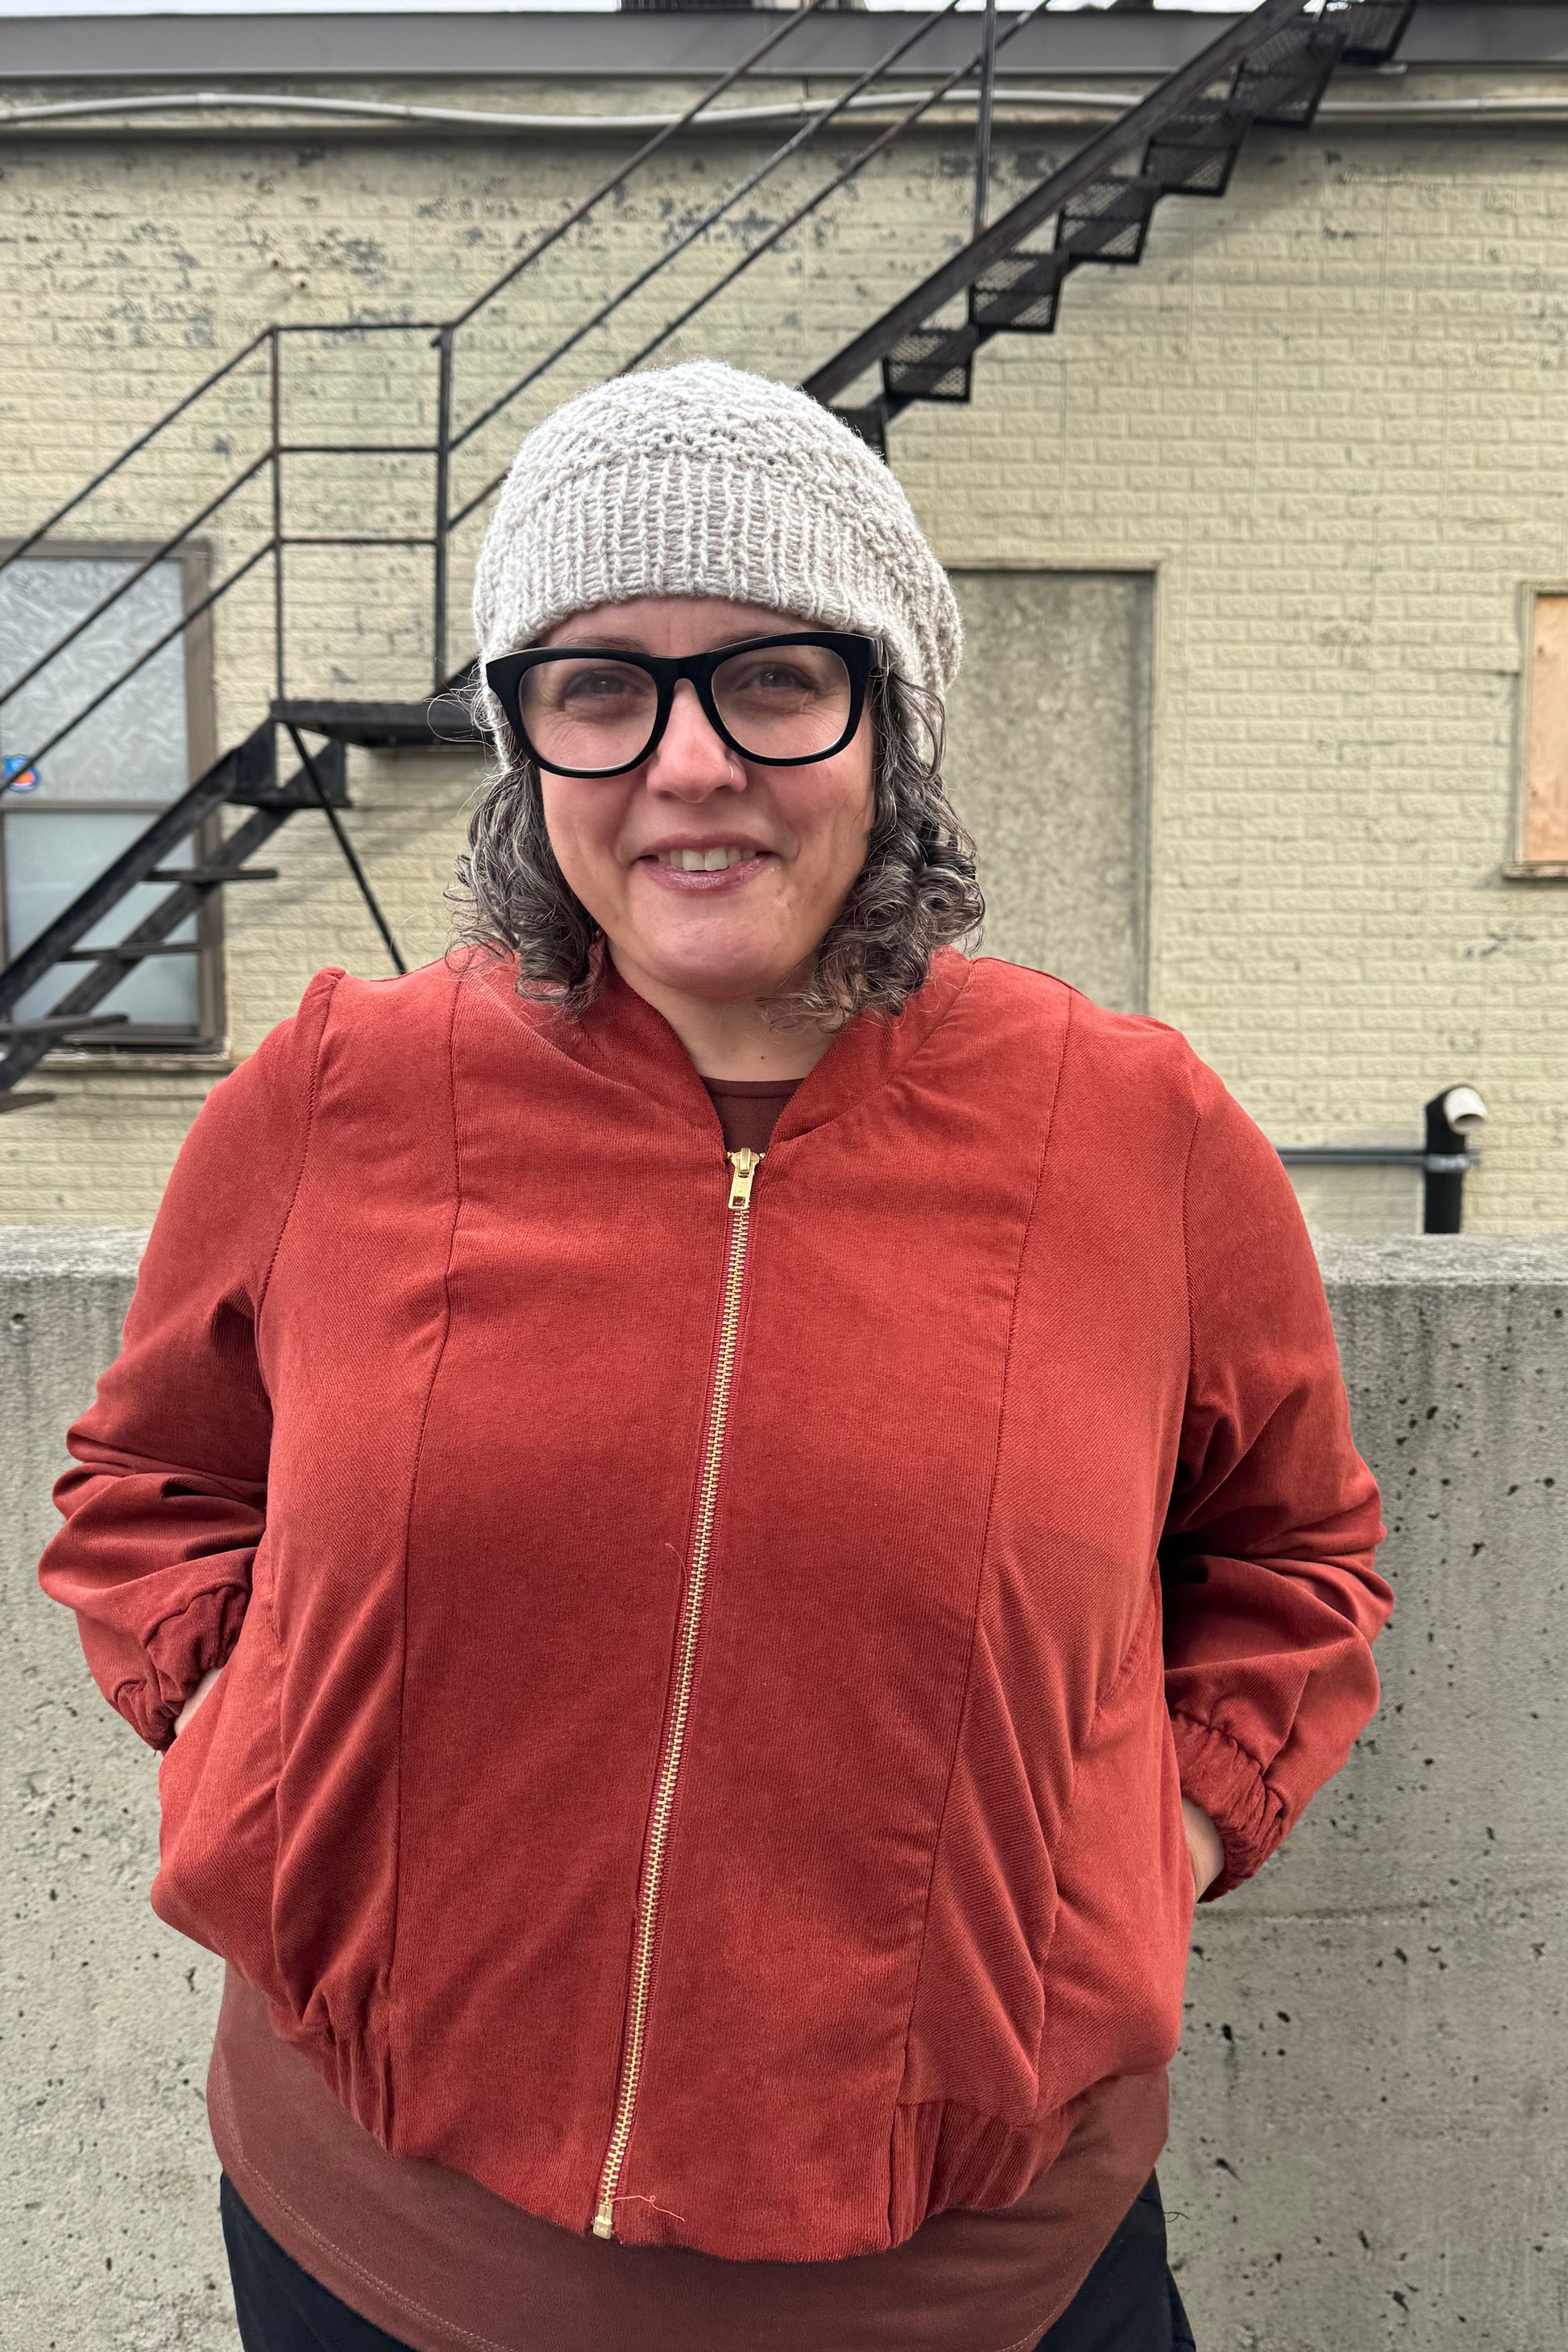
{"x": 781, "y": 702}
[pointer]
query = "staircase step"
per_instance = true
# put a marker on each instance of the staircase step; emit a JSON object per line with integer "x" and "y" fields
{"x": 931, "y": 363}
{"x": 1193, "y": 155}
{"x": 384, "y": 726}
{"x": 1283, "y": 80}
{"x": 1018, "y": 294}
{"x": 130, "y": 955}
{"x": 330, "y": 764}
{"x": 869, "y": 421}
{"x": 202, "y": 877}
{"x": 1110, "y": 220}
{"x": 246, "y": 768}
{"x": 1375, "y": 29}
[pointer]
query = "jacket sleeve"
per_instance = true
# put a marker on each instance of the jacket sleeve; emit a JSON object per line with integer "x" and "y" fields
{"x": 167, "y": 1500}
{"x": 1271, "y": 1601}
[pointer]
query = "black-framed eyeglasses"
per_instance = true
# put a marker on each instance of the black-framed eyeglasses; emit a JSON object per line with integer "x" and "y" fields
{"x": 599, "y": 710}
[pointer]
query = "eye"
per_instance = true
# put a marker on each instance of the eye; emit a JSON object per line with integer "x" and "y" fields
{"x": 770, "y": 675}
{"x": 584, "y": 687}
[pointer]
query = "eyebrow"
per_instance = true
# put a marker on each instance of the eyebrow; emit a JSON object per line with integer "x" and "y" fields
{"x": 635, "y": 645}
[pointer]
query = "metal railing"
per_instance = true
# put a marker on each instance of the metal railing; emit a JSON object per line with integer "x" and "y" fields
{"x": 271, "y": 354}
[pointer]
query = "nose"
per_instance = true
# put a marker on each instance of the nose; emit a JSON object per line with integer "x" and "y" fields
{"x": 689, "y": 761}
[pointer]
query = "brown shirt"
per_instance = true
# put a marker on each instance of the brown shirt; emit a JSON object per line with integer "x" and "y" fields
{"x": 444, "y": 2265}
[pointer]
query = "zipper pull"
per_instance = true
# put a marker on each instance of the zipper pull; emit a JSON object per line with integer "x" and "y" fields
{"x": 604, "y": 2219}
{"x": 745, "y": 1164}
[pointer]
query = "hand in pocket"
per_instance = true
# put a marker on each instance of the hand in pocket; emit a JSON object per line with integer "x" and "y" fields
{"x": 196, "y": 1698}
{"x": 1205, "y": 1850}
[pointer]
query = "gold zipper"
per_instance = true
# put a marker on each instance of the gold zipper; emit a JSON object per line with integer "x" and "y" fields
{"x": 743, "y": 1166}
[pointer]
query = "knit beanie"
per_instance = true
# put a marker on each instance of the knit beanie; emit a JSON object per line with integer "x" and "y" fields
{"x": 701, "y": 480}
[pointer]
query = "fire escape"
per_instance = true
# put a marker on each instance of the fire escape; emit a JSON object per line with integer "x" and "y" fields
{"x": 1182, "y": 140}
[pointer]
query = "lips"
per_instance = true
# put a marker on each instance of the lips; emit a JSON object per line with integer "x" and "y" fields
{"x": 704, "y": 861}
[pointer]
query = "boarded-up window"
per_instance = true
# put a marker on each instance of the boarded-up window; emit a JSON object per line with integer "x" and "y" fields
{"x": 1048, "y": 765}
{"x": 1546, "y": 773}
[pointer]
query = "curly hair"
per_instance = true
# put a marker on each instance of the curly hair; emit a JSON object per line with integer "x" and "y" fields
{"x": 915, "y": 892}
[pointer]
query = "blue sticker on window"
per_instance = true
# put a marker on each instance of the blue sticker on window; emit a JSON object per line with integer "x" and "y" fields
{"x": 20, "y": 777}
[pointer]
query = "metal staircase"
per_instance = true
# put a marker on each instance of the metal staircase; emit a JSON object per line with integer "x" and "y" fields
{"x": 1183, "y": 139}
{"x": 1268, "y": 67}
{"x": 245, "y": 777}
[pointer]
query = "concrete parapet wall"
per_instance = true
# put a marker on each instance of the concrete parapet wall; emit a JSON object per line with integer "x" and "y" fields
{"x": 1369, "y": 2140}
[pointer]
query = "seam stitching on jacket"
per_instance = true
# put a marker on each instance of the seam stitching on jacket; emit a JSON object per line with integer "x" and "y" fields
{"x": 1187, "y": 1257}
{"x": 328, "y": 994}
{"x": 242, "y": 2164}
{"x": 407, "y": 1536}
{"x": 1129, "y": 1660}
{"x": 1048, "y": 1125}
{"x": 269, "y": 1599}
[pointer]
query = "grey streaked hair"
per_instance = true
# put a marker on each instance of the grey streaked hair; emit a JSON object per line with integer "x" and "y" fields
{"x": 915, "y": 893}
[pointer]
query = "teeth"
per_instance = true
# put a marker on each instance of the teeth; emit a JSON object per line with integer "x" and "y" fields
{"x": 703, "y": 861}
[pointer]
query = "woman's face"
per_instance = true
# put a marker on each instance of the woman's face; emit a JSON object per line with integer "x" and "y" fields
{"x": 731, "y": 934}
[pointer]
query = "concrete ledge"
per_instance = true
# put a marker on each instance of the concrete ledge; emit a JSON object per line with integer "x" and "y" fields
{"x": 1370, "y": 2144}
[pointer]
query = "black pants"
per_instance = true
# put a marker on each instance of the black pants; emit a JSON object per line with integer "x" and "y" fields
{"x": 1129, "y": 2302}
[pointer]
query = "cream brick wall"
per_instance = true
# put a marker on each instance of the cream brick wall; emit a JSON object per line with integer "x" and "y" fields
{"x": 1326, "y": 413}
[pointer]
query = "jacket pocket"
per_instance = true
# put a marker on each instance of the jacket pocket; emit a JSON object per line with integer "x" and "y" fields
{"x": 1114, "y": 1982}
{"x": 217, "y": 1787}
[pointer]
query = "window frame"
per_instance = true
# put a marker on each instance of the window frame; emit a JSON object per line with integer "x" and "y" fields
{"x": 145, "y": 1042}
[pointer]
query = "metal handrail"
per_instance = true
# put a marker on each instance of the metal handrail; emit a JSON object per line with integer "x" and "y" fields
{"x": 618, "y": 179}
{"x": 25, "y": 546}
{"x": 887, "y": 138}
{"x": 715, "y": 213}
{"x": 956, "y": 274}
{"x": 1238, "y": 37}
{"x": 181, "y": 625}
{"x": 443, "y": 332}
{"x": 125, "y": 586}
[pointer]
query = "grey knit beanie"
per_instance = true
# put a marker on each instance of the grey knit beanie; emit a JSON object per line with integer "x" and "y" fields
{"x": 701, "y": 480}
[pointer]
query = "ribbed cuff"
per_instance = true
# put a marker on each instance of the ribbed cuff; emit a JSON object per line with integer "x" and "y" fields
{"x": 1229, "y": 1785}
{"x": 182, "y": 1648}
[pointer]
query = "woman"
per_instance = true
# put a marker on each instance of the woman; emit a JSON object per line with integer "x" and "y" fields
{"x": 735, "y": 1511}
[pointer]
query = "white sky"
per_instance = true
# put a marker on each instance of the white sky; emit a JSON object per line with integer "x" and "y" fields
{"x": 425, "y": 7}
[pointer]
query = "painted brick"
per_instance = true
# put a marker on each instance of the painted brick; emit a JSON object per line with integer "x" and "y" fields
{"x": 1326, "y": 413}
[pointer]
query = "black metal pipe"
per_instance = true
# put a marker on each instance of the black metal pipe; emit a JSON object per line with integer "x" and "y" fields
{"x": 1443, "y": 1187}
{"x": 1445, "y": 1159}
{"x": 443, "y": 517}
{"x": 275, "y": 414}
{"x": 982, "y": 121}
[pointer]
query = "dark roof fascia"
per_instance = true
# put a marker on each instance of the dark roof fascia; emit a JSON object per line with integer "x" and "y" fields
{"x": 674, "y": 45}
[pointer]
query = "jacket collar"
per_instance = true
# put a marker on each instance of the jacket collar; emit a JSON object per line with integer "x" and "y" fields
{"x": 623, "y": 1038}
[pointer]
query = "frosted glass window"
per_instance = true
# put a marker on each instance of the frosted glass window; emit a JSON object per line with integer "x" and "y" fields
{"x": 133, "y": 749}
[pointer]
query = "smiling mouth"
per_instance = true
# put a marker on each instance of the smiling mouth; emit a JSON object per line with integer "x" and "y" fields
{"x": 705, "y": 861}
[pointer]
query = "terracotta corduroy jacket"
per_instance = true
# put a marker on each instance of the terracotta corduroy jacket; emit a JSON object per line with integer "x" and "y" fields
{"x": 714, "y": 1651}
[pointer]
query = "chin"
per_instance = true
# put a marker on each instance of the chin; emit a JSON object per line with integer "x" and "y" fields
{"x": 702, "y": 968}
{"x": 742, "y": 983}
